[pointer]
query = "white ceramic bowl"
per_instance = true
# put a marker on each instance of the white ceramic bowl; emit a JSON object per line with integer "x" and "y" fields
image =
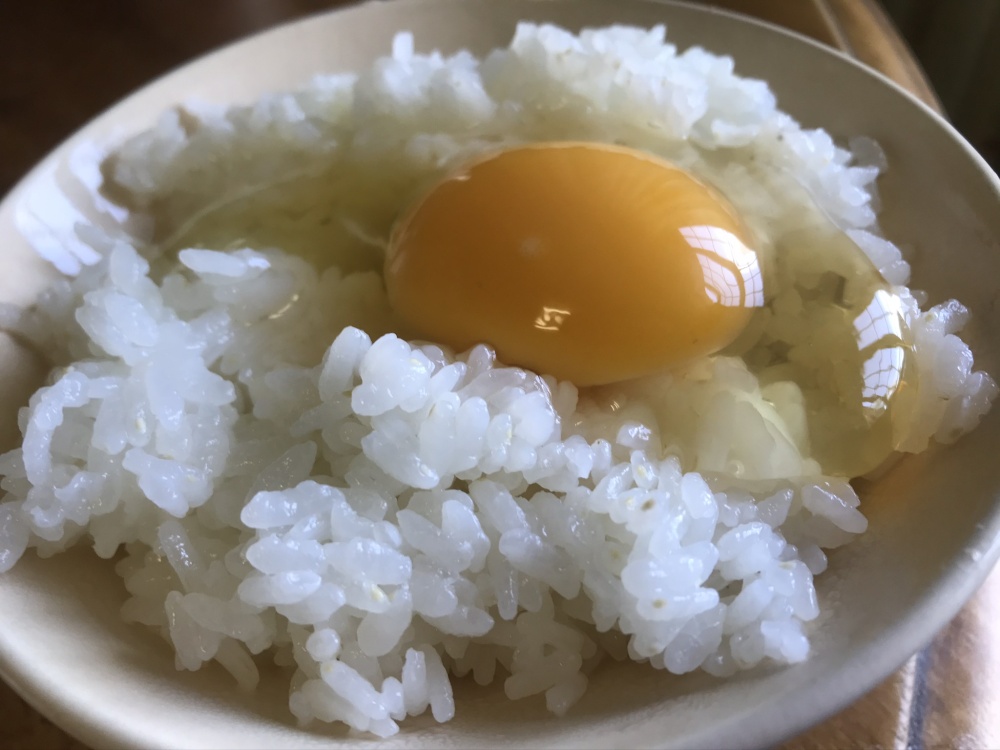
{"x": 934, "y": 518}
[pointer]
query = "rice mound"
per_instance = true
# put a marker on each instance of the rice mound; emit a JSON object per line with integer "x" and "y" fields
{"x": 375, "y": 513}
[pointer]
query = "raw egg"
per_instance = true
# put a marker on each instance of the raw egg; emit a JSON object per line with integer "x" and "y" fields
{"x": 839, "y": 331}
{"x": 590, "y": 262}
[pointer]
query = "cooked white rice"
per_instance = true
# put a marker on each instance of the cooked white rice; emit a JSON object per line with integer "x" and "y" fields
{"x": 376, "y": 513}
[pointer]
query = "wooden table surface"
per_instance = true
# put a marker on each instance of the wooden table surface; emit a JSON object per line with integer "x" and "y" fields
{"x": 63, "y": 61}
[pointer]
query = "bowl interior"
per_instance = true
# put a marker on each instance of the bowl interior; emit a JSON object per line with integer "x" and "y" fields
{"x": 934, "y": 517}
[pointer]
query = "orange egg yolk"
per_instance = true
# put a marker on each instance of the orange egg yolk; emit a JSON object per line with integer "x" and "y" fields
{"x": 589, "y": 262}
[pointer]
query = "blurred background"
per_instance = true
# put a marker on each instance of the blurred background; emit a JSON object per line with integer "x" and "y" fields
{"x": 958, "y": 46}
{"x": 62, "y": 62}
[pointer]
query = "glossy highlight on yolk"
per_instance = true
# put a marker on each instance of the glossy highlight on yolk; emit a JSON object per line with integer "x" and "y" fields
{"x": 590, "y": 262}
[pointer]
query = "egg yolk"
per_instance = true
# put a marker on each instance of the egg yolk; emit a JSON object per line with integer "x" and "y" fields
{"x": 589, "y": 262}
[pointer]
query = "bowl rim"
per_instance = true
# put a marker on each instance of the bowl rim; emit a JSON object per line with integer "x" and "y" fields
{"x": 934, "y": 609}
